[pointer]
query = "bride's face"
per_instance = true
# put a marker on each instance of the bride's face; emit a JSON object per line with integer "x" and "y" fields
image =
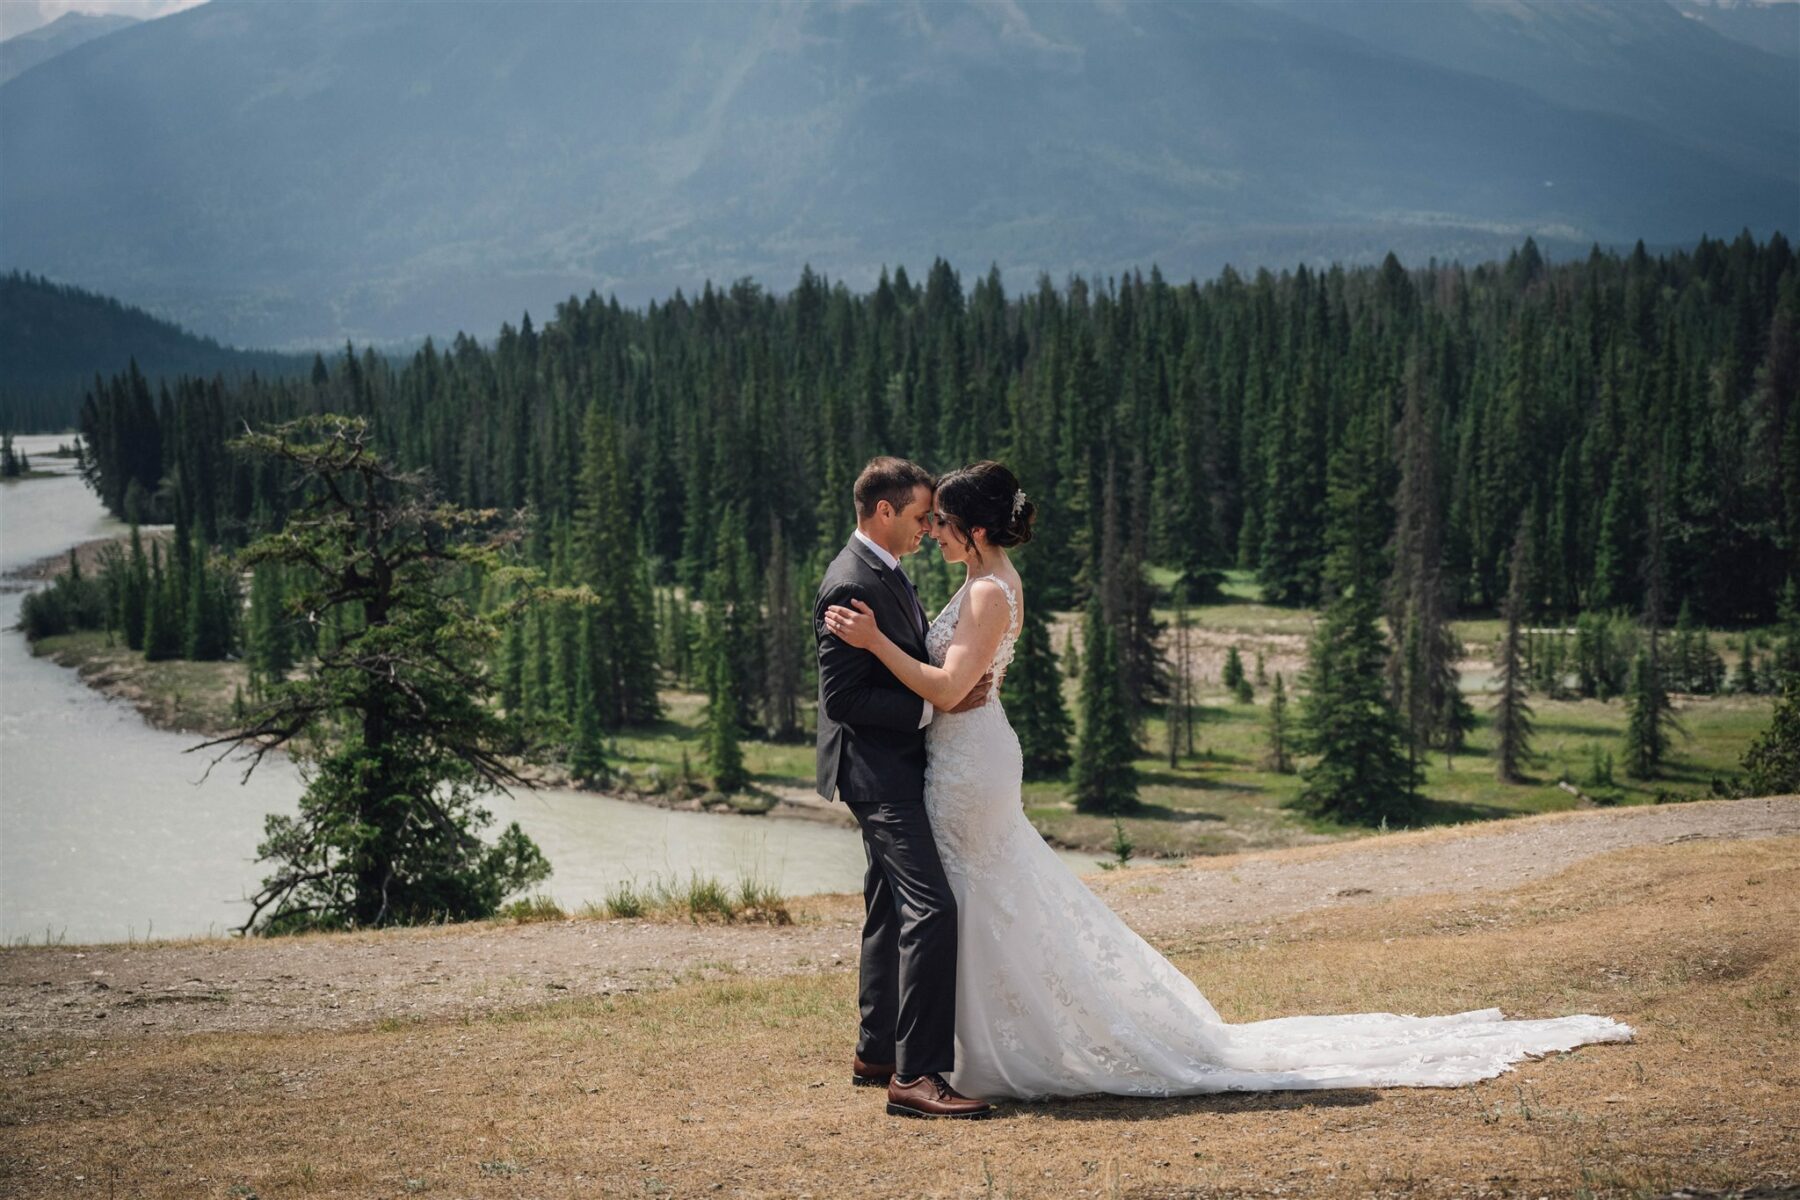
{"x": 949, "y": 541}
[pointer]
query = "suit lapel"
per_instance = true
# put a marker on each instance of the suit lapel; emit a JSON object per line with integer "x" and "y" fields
{"x": 891, "y": 580}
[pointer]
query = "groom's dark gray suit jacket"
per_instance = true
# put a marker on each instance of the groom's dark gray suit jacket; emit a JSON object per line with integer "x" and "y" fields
{"x": 870, "y": 744}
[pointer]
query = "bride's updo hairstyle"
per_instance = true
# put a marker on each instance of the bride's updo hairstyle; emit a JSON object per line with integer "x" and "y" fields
{"x": 985, "y": 495}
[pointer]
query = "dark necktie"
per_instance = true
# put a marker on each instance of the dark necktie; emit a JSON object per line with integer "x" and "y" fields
{"x": 918, "y": 609}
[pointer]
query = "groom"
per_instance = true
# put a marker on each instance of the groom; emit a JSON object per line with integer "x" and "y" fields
{"x": 872, "y": 757}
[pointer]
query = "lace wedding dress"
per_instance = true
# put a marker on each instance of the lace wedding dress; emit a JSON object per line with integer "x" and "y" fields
{"x": 1056, "y": 996}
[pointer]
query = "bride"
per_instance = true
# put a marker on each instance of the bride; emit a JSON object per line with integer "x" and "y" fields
{"x": 1055, "y": 995}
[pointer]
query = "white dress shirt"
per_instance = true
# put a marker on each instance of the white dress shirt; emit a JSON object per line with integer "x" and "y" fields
{"x": 893, "y": 564}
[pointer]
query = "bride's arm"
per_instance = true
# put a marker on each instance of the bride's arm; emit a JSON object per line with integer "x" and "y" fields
{"x": 984, "y": 621}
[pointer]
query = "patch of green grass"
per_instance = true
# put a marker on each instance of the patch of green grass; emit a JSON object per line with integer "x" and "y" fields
{"x": 698, "y": 898}
{"x": 531, "y": 909}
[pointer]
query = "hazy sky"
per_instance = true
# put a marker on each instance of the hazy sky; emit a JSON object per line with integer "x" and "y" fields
{"x": 21, "y": 16}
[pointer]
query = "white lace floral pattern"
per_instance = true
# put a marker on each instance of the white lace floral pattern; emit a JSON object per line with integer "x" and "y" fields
{"x": 1056, "y": 996}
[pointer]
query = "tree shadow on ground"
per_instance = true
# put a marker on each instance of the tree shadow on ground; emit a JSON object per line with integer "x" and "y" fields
{"x": 1177, "y": 780}
{"x": 1429, "y": 813}
{"x": 1114, "y": 1108}
{"x": 1457, "y": 812}
{"x": 1162, "y": 812}
{"x": 1576, "y": 729}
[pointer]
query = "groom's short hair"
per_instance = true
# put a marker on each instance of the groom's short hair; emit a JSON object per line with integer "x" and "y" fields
{"x": 891, "y": 479}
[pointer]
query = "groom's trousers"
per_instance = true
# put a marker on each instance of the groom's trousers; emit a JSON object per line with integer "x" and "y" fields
{"x": 908, "y": 976}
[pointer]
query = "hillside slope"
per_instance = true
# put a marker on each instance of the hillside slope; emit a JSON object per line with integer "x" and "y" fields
{"x": 292, "y": 173}
{"x": 54, "y": 339}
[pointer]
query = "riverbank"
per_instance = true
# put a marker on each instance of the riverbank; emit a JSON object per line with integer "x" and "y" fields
{"x": 567, "y": 1058}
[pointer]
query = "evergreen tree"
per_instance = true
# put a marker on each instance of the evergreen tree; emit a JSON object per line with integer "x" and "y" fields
{"x": 392, "y": 724}
{"x": 1648, "y": 720}
{"x": 1772, "y": 764}
{"x": 724, "y": 754}
{"x": 270, "y": 645}
{"x": 1105, "y": 771}
{"x": 134, "y": 594}
{"x": 1743, "y": 676}
{"x": 1280, "y": 759}
{"x": 513, "y": 669}
{"x": 621, "y": 673}
{"x": 212, "y": 597}
{"x": 783, "y": 627}
{"x": 734, "y": 622}
{"x": 162, "y": 611}
{"x": 1787, "y": 650}
{"x": 1232, "y": 673}
{"x": 1034, "y": 700}
{"x": 1361, "y": 771}
{"x": 1421, "y": 672}
{"x": 587, "y": 756}
{"x": 1512, "y": 712}
{"x": 1181, "y": 688}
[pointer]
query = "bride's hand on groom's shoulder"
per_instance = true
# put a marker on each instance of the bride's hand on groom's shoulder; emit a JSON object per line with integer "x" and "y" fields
{"x": 852, "y": 626}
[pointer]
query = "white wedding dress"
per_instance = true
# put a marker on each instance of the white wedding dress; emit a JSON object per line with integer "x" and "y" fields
{"x": 1056, "y": 996}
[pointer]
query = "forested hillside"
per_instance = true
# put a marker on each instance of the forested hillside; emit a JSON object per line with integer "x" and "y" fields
{"x": 55, "y": 339}
{"x": 1614, "y": 439}
{"x": 1575, "y": 397}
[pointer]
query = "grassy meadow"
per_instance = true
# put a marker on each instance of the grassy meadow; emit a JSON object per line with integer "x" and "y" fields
{"x": 1222, "y": 798}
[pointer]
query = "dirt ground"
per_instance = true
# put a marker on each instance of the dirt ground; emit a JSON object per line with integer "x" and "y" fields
{"x": 582, "y": 1058}
{"x": 342, "y": 981}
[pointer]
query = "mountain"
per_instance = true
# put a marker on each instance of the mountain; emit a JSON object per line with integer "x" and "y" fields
{"x": 1645, "y": 61}
{"x": 1772, "y": 25}
{"x": 54, "y": 339}
{"x": 289, "y": 173}
{"x": 20, "y": 53}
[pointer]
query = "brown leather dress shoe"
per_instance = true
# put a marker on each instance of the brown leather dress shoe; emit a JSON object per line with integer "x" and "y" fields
{"x": 868, "y": 1074}
{"x": 930, "y": 1096}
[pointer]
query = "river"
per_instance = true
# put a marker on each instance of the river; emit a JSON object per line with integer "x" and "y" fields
{"x": 108, "y": 834}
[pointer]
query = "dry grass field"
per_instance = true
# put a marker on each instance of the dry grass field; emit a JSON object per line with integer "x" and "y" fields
{"x": 735, "y": 1084}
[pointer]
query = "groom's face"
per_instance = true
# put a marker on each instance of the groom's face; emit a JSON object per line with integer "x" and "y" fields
{"x": 912, "y": 523}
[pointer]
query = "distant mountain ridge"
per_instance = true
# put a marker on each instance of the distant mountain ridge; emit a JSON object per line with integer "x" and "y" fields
{"x": 1772, "y": 25}
{"x": 26, "y": 50}
{"x": 296, "y": 173}
{"x": 54, "y": 339}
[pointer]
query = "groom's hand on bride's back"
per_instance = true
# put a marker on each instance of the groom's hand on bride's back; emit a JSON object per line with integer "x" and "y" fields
{"x": 978, "y": 695}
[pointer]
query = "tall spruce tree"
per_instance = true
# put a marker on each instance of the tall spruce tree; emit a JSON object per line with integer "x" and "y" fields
{"x": 1421, "y": 670}
{"x": 1512, "y": 712}
{"x": 1034, "y": 700}
{"x": 270, "y": 645}
{"x": 783, "y": 630}
{"x": 619, "y": 631}
{"x": 1280, "y": 758}
{"x": 162, "y": 609}
{"x": 587, "y": 752}
{"x": 724, "y": 751}
{"x": 1649, "y": 715}
{"x": 1648, "y": 720}
{"x": 1361, "y": 770}
{"x": 1105, "y": 773}
{"x": 1181, "y": 679}
{"x": 734, "y": 621}
{"x": 134, "y": 593}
